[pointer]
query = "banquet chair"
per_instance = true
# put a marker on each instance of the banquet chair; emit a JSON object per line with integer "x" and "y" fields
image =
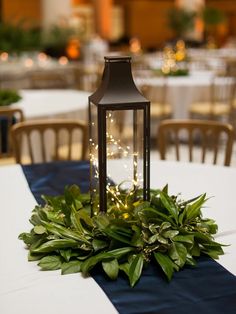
{"x": 196, "y": 140}
{"x": 49, "y": 140}
{"x": 159, "y": 109}
{"x": 220, "y": 105}
{"x": 8, "y": 116}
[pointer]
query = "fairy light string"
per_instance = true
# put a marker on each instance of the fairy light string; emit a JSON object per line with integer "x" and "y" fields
{"x": 116, "y": 149}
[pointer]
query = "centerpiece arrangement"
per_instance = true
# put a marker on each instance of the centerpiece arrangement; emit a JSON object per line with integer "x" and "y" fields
{"x": 121, "y": 224}
{"x": 8, "y": 97}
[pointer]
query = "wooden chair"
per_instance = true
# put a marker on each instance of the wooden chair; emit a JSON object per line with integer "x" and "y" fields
{"x": 207, "y": 136}
{"x": 220, "y": 105}
{"x": 49, "y": 140}
{"x": 8, "y": 116}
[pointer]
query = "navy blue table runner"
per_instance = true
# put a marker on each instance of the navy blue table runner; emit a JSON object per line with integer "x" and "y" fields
{"x": 207, "y": 288}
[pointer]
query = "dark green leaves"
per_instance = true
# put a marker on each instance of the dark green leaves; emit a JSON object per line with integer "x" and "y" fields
{"x": 135, "y": 269}
{"x": 64, "y": 235}
{"x": 166, "y": 264}
{"x": 51, "y": 262}
{"x": 111, "y": 268}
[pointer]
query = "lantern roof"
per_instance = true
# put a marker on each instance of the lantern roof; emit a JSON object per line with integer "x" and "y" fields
{"x": 117, "y": 85}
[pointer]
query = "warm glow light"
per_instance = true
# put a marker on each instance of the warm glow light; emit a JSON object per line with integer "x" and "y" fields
{"x": 63, "y": 60}
{"x": 73, "y": 49}
{"x": 28, "y": 63}
{"x": 42, "y": 57}
{"x": 135, "y": 45}
{"x": 4, "y": 56}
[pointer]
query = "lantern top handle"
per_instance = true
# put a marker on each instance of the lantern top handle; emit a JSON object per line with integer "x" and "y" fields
{"x": 117, "y": 59}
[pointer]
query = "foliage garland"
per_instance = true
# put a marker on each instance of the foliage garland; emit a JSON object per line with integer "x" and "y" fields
{"x": 166, "y": 229}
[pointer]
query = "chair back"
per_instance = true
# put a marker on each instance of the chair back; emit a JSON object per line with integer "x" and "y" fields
{"x": 222, "y": 91}
{"x": 40, "y": 141}
{"x": 199, "y": 137}
{"x": 8, "y": 116}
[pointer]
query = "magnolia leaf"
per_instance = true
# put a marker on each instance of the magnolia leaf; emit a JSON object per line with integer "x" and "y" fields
{"x": 71, "y": 267}
{"x": 166, "y": 264}
{"x": 66, "y": 254}
{"x": 178, "y": 253}
{"x": 117, "y": 236}
{"x": 137, "y": 238}
{"x": 194, "y": 209}
{"x": 40, "y": 229}
{"x": 195, "y": 251}
{"x": 170, "y": 233}
{"x": 125, "y": 268}
{"x": 64, "y": 232}
{"x": 28, "y": 238}
{"x": 184, "y": 238}
{"x": 190, "y": 260}
{"x": 135, "y": 269}
{"x": 34, "y": 257}
{"x": 169, "y": 205}
{"x": 92, "y": 261}
{"x": 111, "y": 268}
{"x": 165, "y": 189}
{"x": 54, "y": 245}
{"x": 99, "y": 244}
{"x": 165, "y": 225}
{"x": 51, "y": 262}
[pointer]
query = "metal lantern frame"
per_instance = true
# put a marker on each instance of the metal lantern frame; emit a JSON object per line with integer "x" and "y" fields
{"x": 117, "y": 95}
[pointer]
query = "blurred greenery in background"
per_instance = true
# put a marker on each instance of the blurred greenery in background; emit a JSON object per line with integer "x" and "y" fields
{"x": 180, "y": 21}
{"x": 17, "y": 38}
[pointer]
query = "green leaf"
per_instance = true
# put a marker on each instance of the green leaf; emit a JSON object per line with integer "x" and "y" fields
{"x": 170, "y": 234}
{"x": 111, "y": 268}
{"x": 135, "y": 269}
{"x": 178, "y": 253}
{"x": 166, "y": 264}
{"x": 64, "y": 232}
{"x": 35, "y": 257}
{"x": 190, "y": 260}
{"x": 71, "y": 267}
{"x": 66, "y": 254}
{"x": 54, "y": 245}
{"x": 39, "y": 229}
{"x": 195, "y": 251}
{"x": 169, "y": 205}
{"x": 92, "y": 261}
{"x": 136, "y": 238}
{"x": 184, "y": 238}
{"x": 99, "y": 244}
{"x": 115, "y": 234}
{"x": 51, "y": 262}
{"x": 194, "y": 209}
{"x": 125, "y": 267}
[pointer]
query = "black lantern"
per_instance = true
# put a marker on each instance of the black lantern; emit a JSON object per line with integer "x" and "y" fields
{"x": 119, "y": 120}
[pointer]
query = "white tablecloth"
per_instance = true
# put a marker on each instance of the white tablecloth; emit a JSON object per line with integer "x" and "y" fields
{"x": 25, "y": 289}
{"x": 62, "y": 103}
{"x": 181, "y": 91}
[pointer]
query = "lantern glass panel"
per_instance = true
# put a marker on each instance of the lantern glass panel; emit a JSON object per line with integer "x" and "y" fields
{"x": 124, "y": 145}
{"x": 93, "y": 151}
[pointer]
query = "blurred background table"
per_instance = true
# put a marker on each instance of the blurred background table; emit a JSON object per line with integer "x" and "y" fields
{"x": 40, "y": 104}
